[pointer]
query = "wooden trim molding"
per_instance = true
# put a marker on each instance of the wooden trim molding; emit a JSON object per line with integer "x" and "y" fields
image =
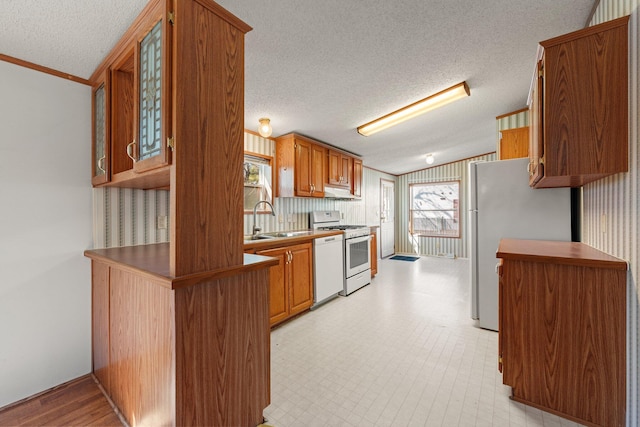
{"x": 522, "y": 110}
{"x": 44, "y": 69}
{"x": 253, "y": 132}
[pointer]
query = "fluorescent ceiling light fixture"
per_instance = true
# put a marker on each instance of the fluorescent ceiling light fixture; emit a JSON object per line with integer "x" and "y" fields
{"x": 410, "y": 111}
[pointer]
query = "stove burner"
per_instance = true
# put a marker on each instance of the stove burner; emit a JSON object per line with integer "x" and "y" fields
{"x": 342, "y": 227}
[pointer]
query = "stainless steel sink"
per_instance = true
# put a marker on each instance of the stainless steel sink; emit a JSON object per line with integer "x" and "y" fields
{"x": 258, "y": 237}
{"x": 278, "y": 234}
{"x": 289, "y": 233}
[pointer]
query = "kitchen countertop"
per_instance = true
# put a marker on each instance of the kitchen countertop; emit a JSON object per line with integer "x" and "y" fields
{"x": 569, "y": 253}
{"x": 152, "y": 261}
{"x": 256, "y": 245}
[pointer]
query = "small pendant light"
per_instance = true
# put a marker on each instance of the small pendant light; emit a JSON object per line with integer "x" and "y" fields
{"x": 265, "y": 127}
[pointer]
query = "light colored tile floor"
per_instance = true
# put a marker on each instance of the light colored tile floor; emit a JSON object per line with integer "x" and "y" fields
{"x": 399, "y": 352}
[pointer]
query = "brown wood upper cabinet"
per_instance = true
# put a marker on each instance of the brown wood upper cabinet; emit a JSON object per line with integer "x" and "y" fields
{"x": 514, "y": 143}
{"x": 132, "y": 105}
{"x": 578, "y": 107}
{"x": 304, "y": 166}
{"x": 300, "y": 163}
{"x": 340, "y": 169}
{"x": 357, "y": 178}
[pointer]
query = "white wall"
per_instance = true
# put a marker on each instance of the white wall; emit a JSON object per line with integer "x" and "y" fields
{"x": 45, "y": 224}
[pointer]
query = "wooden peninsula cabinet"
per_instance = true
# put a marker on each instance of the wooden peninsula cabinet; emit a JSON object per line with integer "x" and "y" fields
{"x": 562, "y": 329}
{"x": 191, "y": 350}
{"x": 578, "y": 107}
{"x": 180, "y": 329}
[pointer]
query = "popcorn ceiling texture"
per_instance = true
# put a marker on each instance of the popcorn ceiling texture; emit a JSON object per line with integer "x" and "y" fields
{"x": 322, "y": 68}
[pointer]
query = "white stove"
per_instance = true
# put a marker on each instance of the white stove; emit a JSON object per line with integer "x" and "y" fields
{"x": 350, "y": 231}
{"x": 356, "y": 264}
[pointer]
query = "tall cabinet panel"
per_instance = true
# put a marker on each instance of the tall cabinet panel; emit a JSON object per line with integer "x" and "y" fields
{"x": 176, "y": 79}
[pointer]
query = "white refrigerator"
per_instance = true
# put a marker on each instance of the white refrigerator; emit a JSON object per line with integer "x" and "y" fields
{"x": 502, "y": 205}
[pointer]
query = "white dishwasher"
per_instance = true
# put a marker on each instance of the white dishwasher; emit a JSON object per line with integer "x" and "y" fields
{"x": 328, "y": 268}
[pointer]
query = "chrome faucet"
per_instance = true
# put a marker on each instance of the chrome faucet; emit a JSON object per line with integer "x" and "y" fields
{"x": 256, "y": 229}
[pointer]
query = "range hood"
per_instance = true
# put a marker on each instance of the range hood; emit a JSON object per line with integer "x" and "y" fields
{"x": 337, "y": 193}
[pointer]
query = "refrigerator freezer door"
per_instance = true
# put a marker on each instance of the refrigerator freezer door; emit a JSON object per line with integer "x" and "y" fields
{"x": 509, "y": 208}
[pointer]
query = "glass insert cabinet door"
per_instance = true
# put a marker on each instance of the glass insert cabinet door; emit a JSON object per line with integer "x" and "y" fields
{"x": 152, "y": 76}
{"x": 100, "y": 164}
{"x": 150, "y": 94}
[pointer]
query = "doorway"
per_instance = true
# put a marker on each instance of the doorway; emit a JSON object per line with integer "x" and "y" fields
{"x": 387, "y": 218}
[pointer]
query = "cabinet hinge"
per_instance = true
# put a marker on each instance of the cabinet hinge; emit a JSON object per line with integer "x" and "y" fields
{"x": 171, "y": 143}
{"x": 541, "y": 161}
{"x": 171, "y": 17}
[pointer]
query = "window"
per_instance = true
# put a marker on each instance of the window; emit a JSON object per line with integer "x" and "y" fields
{"x": 258, "y": 176}
{"x": 435, "y": 209}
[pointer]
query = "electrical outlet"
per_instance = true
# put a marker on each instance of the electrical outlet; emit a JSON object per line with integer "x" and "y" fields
{"x": 289, "y": 217}
{"x": 162, "y": 222}
{"x": 280, "y": 218}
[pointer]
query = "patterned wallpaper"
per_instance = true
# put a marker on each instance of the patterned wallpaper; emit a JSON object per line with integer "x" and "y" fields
{"x": 126, "y": 217}
{"x": 611, "y": 207}
{"x": 435, "y": 246}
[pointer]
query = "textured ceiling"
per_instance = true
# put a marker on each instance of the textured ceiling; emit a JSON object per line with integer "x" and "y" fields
{"x": 322, "y": 68}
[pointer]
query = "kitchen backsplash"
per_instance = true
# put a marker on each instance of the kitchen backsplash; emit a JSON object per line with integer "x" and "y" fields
{"x": 128, "y": 217}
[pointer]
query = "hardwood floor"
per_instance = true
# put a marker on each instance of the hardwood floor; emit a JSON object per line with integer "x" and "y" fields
{"x": 76, "y": 403}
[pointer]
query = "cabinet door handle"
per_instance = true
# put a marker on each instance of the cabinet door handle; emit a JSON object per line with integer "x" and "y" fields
{"x": 101, "y": 164}
{"x": 130, "y": 150}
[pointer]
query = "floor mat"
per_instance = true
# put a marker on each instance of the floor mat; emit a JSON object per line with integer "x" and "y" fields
{"x": 404, "y": 258}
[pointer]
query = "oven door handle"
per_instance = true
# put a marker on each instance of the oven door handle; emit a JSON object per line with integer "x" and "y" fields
{"x": 359, "y": 239}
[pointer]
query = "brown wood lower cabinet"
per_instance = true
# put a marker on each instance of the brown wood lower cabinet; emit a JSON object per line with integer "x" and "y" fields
{"x": 374, "y": 251}
{"x": 291, "y": 281}
{"x": 193, "y": 350}
{"x": 562, "y": 322}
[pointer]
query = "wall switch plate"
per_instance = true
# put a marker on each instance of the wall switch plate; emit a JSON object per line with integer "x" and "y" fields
{"x": 280, "y": 218}
{"x": 162, "y": 222}
{"x": 289, "y": 217}
{"x": 603, "y": 223}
